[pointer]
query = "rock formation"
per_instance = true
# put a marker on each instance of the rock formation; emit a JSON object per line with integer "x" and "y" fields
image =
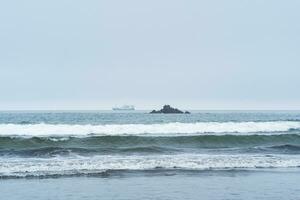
{"x": 167, "y": 109}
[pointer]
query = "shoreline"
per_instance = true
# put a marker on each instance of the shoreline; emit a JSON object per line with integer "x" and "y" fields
{"x": 263, "y": 185}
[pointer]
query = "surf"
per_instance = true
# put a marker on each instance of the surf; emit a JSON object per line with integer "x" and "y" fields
{"x": 175, "y": 128}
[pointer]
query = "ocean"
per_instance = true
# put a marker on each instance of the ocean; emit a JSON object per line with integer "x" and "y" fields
{"x": 136, "y": 155}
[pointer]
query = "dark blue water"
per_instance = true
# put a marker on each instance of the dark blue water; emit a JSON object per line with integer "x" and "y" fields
{"x": 141, "y": 117}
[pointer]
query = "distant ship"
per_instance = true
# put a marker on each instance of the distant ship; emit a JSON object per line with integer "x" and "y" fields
{"x": 124, "y": 108}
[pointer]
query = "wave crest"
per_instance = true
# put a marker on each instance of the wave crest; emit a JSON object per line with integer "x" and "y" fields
{"x": 90, "y": 165}
{"x": 204, "y": 128}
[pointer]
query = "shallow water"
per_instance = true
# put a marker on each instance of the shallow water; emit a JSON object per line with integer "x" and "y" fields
{"x": 233, "y": 185}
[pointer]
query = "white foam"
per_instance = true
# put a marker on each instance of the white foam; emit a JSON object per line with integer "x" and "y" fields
{"x": 150, "y": 129}
{"x": 75, "y": 165}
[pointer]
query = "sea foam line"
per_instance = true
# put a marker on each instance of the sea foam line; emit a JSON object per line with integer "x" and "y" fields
{"x": 203, "y": 128}
{"x": 22, "y": 167}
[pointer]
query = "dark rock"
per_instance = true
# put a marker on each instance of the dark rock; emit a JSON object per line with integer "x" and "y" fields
{"x": 167, "y": 109}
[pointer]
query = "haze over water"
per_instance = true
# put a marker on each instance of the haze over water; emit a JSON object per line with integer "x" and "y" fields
{"x": 234, "y": 64}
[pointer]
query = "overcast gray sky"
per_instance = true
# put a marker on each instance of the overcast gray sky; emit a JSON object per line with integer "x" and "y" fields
{"x": 93, "y": 54}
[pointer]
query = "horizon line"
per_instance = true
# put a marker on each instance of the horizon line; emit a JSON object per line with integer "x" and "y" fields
{"x": 128, "y": 111}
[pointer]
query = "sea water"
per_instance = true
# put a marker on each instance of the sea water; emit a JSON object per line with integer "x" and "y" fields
{"x": 135, "y": 155}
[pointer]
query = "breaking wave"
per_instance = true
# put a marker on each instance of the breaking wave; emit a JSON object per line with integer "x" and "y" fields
{"x": 38, "y": 167}
{"x": 203, "y": 128}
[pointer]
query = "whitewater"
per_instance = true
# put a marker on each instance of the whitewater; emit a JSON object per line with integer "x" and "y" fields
{"x": 76, "y": 165}
{"x": 176, "y": 128}
{"x": 60, "y": 144}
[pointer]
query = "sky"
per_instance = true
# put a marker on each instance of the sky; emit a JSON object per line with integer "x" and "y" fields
{"x": 96, "y": 54}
